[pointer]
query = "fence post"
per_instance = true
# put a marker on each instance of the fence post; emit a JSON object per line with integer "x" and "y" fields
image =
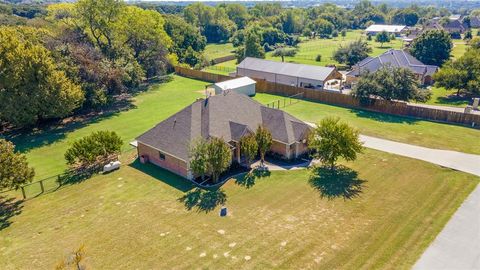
{"x": 23, "y": 193}
{"x": 41, "y": 186}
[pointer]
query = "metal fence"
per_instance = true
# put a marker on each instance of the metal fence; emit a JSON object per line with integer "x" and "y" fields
{"x": 221, "y": 68}
{"x": 286, "y": 101}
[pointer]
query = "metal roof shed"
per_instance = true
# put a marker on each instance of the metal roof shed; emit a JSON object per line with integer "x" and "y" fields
{"x": 243, "y": 85}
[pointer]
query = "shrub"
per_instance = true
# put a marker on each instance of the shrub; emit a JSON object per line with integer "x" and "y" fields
{"x": 94, "y": 150}
{"x": 335, "y": 33}
{"x": 318, "y": 58}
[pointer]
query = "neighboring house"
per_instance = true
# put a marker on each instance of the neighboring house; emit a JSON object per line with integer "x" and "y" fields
{"x": 395, "y": 58}
{"x": 229, "y": 116}
{"x": 243, "y": 85}
{"x": 454, "y": 24}
{"x": 474, "y": 22}
{"x": 391, "y": 29}
{"x": 298, "y": 75}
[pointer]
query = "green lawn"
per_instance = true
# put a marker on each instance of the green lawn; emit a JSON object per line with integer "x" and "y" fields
{"x": 216, "y": 50}
{"x": 443, "y": 97}
{"x": 45, "y": 149}
{"x": 132, "y": 218}
{"x": 402, "y": 129}
{"x": 459, "y": 48}
{"x": 309, "y": 49}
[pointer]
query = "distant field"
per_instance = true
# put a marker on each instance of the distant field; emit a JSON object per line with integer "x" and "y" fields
{"x": 214, "y": 50}
{"x": 132, "y": 219}
{"x": 309, "y": 49}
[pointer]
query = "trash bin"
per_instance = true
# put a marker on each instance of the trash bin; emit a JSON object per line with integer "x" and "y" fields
{"x": 223, "y": 211}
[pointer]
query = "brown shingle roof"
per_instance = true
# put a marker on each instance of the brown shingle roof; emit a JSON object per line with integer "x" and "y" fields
{"x": 228, "y": 116}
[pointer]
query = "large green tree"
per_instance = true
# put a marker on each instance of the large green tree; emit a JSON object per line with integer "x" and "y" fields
{"x": 252, "y": 44}
{"x": 432, "y": 47}
{"x": 333, "y": 139}
{"x": 14, "y": 170}
{"x": 352, "y": 53}
{"x": 462, "y": 74}
{"x": 32, "y": 87}
{"x": 390, "y": 83}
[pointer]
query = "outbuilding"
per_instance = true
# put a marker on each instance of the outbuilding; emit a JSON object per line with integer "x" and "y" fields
{"x": 391, "y": 29}
{"x": 243, "y": 85}
{"x": 298, "y": 75}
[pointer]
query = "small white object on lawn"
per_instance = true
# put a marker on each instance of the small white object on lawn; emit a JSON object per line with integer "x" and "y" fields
{"x": 248, "y": 258}
{"x": 232, "y": 244}
{"x": 221, "y": 231}
{"x": 188, "y": 248}
{"x": 284, "y": 243}
{"x": 203, "y": 254}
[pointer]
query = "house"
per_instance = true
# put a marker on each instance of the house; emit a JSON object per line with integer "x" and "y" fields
{"x": 453, "y": 24}
{"x": 391, "y": 29}
{"x": 474, "y": 22}
{"x": 229, "y": 116}
{"x": 395, "y": 58}
{"x": 243, "y": 85}
{"x": 298, "y": 75}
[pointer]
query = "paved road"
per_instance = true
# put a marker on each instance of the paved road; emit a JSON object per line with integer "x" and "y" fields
{"x": 455, "y": 160}
{"x": 458, "y": 244}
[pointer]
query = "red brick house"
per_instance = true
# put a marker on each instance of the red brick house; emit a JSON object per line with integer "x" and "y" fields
{"x": 229, "y": 116}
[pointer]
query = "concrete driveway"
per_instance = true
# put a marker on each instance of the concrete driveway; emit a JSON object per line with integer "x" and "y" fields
{"x": 458, "y": 244}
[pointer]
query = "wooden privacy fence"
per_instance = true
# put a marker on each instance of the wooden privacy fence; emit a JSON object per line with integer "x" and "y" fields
{"x": 223, "y": 59}
{"x": 334, "y": 98}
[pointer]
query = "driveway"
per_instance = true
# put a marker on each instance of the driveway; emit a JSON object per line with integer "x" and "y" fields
{"x": 458, "y": 244}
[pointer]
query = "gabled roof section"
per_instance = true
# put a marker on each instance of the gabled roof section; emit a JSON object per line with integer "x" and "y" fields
{"x": 288, "y": 69}
{"x": 229, "y": 116}
{"x": 395, "y": 58}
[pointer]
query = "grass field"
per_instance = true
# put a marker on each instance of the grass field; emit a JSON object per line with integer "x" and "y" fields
{"x": 132, "y": 218}
{"x": 216, "y": 50}
{"x": 402, "y": 129}
{"x": 443, "y": 97}
{"x": 45, "y": 149}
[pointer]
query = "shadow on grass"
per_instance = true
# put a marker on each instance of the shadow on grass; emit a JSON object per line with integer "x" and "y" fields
{"x": 453, "y": 100}
{"x": 163, "y": 175}
{"x": 381, "y": 117}
{"x": 9, "y": 207}
{"x": 249, "y": 179}
{"x": 49, "y": 132}
{"x": 342, "y": 182}
{"x": 203, "y": 200}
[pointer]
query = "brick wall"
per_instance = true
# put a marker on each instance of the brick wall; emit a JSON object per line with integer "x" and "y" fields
{"x": 170, "y": 163}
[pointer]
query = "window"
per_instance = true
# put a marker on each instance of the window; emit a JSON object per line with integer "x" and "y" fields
{"x": 162, "y": 155}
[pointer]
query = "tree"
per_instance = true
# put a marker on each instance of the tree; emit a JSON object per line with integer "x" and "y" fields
{"x": 93, "y": 150}
{"x": 390, "y": 83}
{"x": 198, "y": 158}
{"x": 333, "y": 139}
{"x": 187, "y": 41}
{"x": 382, "y": 37}
{"x": 322, "y": 28}
{"x": 238, "y": 14}
{"x": 282, "y": 52}
{"x": 468, "y": 35}
{"x": 462, "y": 74}
{"x": 32, "y": 87}
{"x": 219, "y": 157}
{"x": 264, "y": 141}
{"x": 475, "y": 43}
{"x": 353, "y": 53}
{"x": 252, "y": 46}
{"x": 249, "y": 148}
{"x": 14, "y": 170}
{"x": 432, "y": 47}
{"x": 406, "y": 17}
